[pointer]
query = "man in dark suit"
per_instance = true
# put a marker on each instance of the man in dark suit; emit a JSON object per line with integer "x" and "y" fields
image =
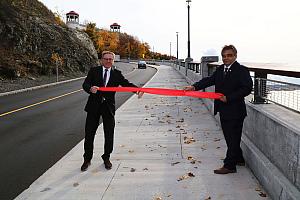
{"x": 101, "y": 104}
{"x": 234, "y": 81}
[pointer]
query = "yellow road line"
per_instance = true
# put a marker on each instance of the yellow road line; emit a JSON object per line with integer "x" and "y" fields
{"x": 38, "y": 103}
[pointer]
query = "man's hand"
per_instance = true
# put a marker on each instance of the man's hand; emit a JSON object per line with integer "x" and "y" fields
{"x": 189, "y": 88}
{"x": 140, "y": 94}
{"x": 223, "y": 99}
{"x": 94, "y": 89}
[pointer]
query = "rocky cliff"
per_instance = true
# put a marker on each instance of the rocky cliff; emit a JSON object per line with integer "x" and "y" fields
{"x": 29, "y": 37}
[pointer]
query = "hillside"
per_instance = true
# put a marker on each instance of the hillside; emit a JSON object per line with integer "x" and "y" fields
{"x": 29, "y": 37}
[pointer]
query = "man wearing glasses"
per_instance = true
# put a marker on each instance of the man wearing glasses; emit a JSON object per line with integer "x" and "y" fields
{"x": 101, "y": 104}
{"x": 234, "y": 81}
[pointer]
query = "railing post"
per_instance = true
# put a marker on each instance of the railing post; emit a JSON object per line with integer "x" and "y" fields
{"x": 197, "y": 67}
{"x": 187, "y": 62}
{"x": 260, "y": 87}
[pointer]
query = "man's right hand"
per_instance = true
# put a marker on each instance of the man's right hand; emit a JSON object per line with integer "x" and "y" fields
{"x": 94, "y": 89}
{"x": 189, "y": 88}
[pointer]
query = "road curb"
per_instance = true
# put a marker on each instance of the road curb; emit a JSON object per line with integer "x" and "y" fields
{"x": 38, "y": 87}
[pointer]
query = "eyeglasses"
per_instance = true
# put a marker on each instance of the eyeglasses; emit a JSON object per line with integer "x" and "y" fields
{"x": 108, "y": 59}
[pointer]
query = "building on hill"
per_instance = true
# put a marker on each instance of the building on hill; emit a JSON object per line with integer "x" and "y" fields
{"x": 115, "y": 27}
{"x": 72, "y": 21}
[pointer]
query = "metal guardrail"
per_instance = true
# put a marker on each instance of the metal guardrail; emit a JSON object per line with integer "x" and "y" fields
{"x": 264, "y": 90}
{"x": 279, "y": 92}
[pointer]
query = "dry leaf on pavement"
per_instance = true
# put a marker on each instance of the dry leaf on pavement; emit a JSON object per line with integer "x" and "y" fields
{"x": 132, "y": 170}
{"x": 189, "y": 140}
{"x": 262, "y": 194}
{"x": 188, "y": 175}
{"x": 175, "y": 163}
{"x": 257, "y": 189}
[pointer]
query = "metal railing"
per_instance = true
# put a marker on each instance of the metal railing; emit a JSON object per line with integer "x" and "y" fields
{"x": 264, "y": 90}
{"x": 279, "y": 92}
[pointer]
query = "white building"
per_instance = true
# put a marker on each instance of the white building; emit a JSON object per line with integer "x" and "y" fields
{"x": 72, "y": 21}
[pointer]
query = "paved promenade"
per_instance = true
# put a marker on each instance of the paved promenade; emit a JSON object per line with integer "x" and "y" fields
{"x": 166, "y": 148}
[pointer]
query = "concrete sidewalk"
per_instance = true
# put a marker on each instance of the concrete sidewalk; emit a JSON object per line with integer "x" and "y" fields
{"x": 165, "y": 148}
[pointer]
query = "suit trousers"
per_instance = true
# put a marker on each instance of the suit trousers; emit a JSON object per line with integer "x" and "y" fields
{"x": 232, "y": 130}
{"x": 91, "y": 125}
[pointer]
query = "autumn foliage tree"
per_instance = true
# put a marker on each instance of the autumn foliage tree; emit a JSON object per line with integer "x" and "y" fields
{"x": 122, "y": 44}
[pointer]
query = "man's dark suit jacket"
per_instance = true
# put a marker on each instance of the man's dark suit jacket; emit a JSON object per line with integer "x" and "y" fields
{"x": 95, "y": 78}
{"x": 235, "y": 86}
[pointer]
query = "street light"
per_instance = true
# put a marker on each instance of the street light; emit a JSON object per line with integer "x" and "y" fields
{"x": 170, "y": 50}
{"x": 189, "y": 43}
{"x": 177, "y": 45}
{"x": 188, "y": 59}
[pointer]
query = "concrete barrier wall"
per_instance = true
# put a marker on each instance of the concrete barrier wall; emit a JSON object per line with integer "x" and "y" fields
{"x": 270, "y": 142}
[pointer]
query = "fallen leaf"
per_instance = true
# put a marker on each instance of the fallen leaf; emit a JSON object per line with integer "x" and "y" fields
{"x": 203, "y": 148}
{"x": 262, "y": 194}
{"x": 190, "y": 158}
{"x": 75, "y": 184}
{"x": 182, "y": 177}
{"x": 217, "y": 139}
{"x": 175, "y": 163}
{"x": 189, "y": 140}
{"x": 130, "y": 151}
{"x": 132, "y": 170}
{"x": 208, "y": 198}
{"x": 187, "y": 109}
{"x": 45, "y": 189}
{"x": 145, "y": 169}
{"x": 188, "y": 175}
{"x": 181, "y": 120}
{"x": 122, "y": 145}
{"x": 257, "y": 189}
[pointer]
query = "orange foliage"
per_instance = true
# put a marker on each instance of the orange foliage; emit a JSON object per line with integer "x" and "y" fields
{"x": 122, "y": 44}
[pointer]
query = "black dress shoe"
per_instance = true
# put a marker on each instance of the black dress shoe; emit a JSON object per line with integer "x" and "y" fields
{"x": 107, "y": 164}
{"x": 85, "y": 165}
{"x": 224, "y": 170}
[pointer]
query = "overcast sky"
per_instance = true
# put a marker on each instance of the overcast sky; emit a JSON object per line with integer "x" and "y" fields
{"x": 262, "y": 30}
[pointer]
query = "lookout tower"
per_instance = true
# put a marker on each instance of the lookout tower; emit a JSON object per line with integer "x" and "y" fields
{"x": 72, "y": 17}
{"x": 115, "y": 27}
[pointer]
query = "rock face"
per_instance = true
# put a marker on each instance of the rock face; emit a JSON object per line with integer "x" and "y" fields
{"x": 29, "y": 37}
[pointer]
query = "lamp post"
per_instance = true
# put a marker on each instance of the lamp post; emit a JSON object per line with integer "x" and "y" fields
{"x": 189, "y": 42}
{"x": 177, "y": 46}
{"x": 170, "y": 50}
{"x": 188, "y": 59}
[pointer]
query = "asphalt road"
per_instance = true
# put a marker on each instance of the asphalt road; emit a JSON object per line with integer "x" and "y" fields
{"x": 48, "y": 124}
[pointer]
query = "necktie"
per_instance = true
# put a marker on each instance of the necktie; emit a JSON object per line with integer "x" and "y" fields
{"x": 105, "y": 76}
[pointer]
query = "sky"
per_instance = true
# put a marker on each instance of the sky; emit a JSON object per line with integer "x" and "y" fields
{"x": 262, "y": 30}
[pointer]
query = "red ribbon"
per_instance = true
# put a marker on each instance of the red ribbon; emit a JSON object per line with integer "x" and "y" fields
{"x": 162, "y": 91}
